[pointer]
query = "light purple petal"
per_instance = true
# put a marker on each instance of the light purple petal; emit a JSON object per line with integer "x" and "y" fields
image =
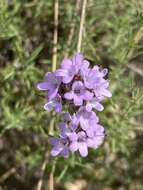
{"x": 84, "y": 123}
{"x": 90, "y": 132}
{"x": 54, "y": 141}
{"x": 73, "y": 136}
{"x": 81, "y": 135}
{"x": 77, "y": 85}
{"x": 52, "y": 93}
{"x": 89, "y": 107}
{"x": 106, "y": 92}
{"x": 73, "y": 146}
{"x": 78, "y": 101}
{"x": 77, "y": 61}
{"x": 88, "y": 95}
{"x": 56, "y": 150}
{"x": 98, "y": 140}
{"x": 65, "y": 152}
{"x": 43, "y": 86}
{"x": 83, "y": 149}
{"x": 104, "y": 72}
{"x": 68, "y": 95}
{"x": 49, "y": 106}
{"x": 73, "y": 126}
{"x": 67, "y": 79}
{"x": 98, "y": 106}
{"x": 90, "y": 142}
{"x": 66, "y": 64}
{"x": 62, "y": 73}
{"x": 58, "y": 107}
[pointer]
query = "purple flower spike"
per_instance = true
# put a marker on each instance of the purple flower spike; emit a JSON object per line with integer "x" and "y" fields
{"x": 75, "y": 90}
{"x": 78, "y": 93}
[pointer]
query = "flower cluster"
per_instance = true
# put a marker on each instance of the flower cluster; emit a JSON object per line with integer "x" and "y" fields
{"x": 77, "y": 91}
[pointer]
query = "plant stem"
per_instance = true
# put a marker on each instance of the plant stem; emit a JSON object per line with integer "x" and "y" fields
{"x": 82, "y": 20}
{"x": 72, "y": 29}
{"x": 55, "y": 37}
{"x": 40, "y": 182}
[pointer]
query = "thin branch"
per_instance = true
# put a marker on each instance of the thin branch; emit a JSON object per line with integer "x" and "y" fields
{"x": 40, "y": 182}
{"x": 82, "y": 20}
{"x": 51, "y": 178}
{"x": 135, "y": 69}
{"x": 51, "y": 181}
{"x": 7, "y": 174}
{"x": 55, "y": 37}
{"x": 72, "y": 29}
{"x": 54, "y": 63}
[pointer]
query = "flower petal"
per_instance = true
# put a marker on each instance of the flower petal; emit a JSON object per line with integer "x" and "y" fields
{"x": 66, "y": 64}
{"x": 73, "y": 146}
{"x": 54, "y": 141}
{"x": 43, "y": 86}
{"x": 83, "y": 150}
{"x": 68, "y": 95}
{"x": 56, "y": 150}
{"x": 78, "y": 101}
{"x": 65, "y": 152}
{"x": 106, "y": 92}
{"x": 88, "y": 95}
{"x": 98, "y": 106}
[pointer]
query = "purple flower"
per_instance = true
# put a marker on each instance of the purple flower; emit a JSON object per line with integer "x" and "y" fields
{"x": 80, "y": 143}
{"x": 67, "y": 130}
{"x": 101, "y": 88}
{"x": 54, "y": 103}
{"x": 71, "y": 68}
{"x": 60, "y": 146}
{"x": 67, "y": 71}
{"x": 93, "y": 76}
{"x": 78, "y": 93}
{"x": 86, "y": 117}
{"x": 98, "y": 137}
{"x": 51, "y": 84}
{"x": 90, "y": 78}
{"x": 94, "y": 103}
{"x": 87, "y": 120}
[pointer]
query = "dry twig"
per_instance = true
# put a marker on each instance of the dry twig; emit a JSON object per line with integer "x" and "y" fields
{"x": 135, "y": 69}
{"x": 7, "y": 174}
{"x": 55, "y": 37}
{"x": 40, "y": 182}
{"x": 72, "y": 29}
{"x": 82, "y": 20}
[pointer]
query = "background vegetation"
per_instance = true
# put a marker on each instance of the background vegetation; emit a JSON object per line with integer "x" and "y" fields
{"x": 113, "y": 38}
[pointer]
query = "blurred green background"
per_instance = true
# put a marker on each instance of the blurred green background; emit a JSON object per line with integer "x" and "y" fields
{"x": 113, "y": 38}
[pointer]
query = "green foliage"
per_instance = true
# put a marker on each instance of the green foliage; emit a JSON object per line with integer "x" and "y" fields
{"x": 26, "y": 32}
